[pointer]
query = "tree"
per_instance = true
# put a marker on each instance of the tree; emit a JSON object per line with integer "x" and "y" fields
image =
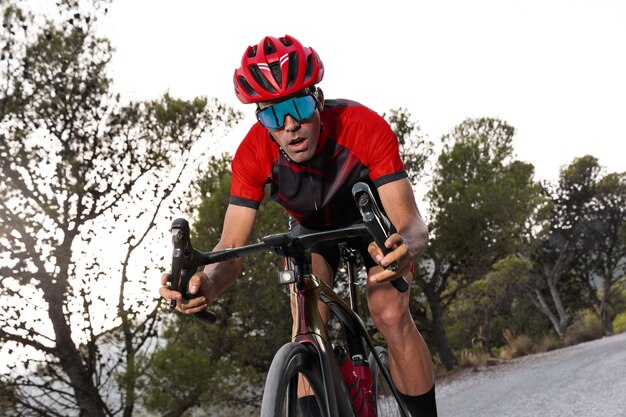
{"x": 230, "y": 359}
{"x": 609, "y": 262}
{"x": 567, "y": 236}
{"x": 581, "y": 255}
{"x": 485, "y": 309}
{"x": 415, "y": 149}
{"x": 480, "y": 203}
{"x": 78, "y": 167}
{"x": 7, "y": 397}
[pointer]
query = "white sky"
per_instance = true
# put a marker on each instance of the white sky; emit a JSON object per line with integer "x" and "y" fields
{"x": 554, "y": 69}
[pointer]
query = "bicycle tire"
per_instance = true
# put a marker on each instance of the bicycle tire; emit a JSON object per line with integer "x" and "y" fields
{"x": 281, "y": 386}
{"x": 386, "y": 404}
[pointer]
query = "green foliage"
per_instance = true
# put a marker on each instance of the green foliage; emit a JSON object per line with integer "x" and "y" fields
{"x": 482, "y": 200}
{"x": 619, "y": 323}
{"x": 194, "y": 368}
{"x": 586, "y": 327}
{"x": 484, "y": 308}
{"x": 617, "y": 303}
{"x": 254, "y": 318}
{"x": 525, "y": 318}
{"x": 8, "y": 397}
{"x": 415, "y": 149}
{"x": 577, "y": 260}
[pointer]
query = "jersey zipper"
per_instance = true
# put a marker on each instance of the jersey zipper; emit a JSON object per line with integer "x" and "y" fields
{"x": 312, "y": 188}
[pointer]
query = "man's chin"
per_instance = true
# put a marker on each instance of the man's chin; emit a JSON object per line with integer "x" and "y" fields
{"x": 300, "y": 157}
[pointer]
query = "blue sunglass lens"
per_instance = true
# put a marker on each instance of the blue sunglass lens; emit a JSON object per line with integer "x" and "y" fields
{"x": 300, "y": 108}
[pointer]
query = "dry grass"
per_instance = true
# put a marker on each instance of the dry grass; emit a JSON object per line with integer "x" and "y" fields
{"x": 472, "y": 358}
{"x": 516, "y": 346}
{"x": 547, "y": 343}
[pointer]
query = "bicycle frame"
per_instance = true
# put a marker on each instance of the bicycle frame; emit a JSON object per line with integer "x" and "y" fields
{"x": 311, "y": 329}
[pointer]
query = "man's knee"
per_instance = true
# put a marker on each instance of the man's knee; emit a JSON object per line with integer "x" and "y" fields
{"x": 390, "y": 317}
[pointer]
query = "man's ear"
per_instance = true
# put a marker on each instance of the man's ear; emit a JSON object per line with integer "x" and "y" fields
{"x": 320, "y": 99}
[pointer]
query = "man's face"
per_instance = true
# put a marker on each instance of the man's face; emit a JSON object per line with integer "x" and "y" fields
{"x": 297, "y": 138}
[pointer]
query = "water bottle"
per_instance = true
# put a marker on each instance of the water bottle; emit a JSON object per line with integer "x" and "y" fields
{"x": 362, "y": 369}
{"x": 356, "y": 387}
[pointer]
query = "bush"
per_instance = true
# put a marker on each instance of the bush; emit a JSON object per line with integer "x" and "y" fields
{"x": 472, "y": 358}
{"x": 619, "y": 324}
{"x": 587, "y": 327}
{"x": 547, "y": 343}
{"x": 516, "y": 346}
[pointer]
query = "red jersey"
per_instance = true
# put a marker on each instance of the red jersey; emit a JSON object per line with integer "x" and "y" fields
{"x": 356, "y": 144}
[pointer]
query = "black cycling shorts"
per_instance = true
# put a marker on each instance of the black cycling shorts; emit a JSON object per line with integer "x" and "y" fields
{"x": 329, "y": 249}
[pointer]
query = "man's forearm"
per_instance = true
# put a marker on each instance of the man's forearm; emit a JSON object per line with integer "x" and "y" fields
{"x": 220, "y": 276}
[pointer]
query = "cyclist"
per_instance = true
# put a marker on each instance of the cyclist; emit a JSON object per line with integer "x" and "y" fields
{"x": 311, "y": 151}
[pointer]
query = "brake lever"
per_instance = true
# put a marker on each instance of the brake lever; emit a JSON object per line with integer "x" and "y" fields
{"x": 378, "y": 226}
{"x": 185, "y": 263}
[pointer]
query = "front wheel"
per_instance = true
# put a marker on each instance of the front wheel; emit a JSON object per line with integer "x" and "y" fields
{"x": 280, "y": 397}
{"x": 386, "y": 404}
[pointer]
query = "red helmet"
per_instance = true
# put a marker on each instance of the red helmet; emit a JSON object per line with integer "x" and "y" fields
{"x": 275, "y": 68}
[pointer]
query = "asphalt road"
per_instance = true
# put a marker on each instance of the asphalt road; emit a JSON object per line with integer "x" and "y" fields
{"x": 587, "y": 380}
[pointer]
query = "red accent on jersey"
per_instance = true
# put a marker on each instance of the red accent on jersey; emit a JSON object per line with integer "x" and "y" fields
{"x": 356, "y": 144}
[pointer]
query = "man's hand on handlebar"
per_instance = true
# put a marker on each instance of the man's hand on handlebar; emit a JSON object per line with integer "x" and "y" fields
{"x": 399, "y": 254}
{"x": 195, "y": 305}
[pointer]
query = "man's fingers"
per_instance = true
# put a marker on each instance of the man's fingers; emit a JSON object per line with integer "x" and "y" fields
{"x": 397, "y": 255}
{"x": 375, "y": 252}
{"x": 195, "y": 305}
{"x": 165, "y": 279}
{"x": 384, "y": 275}
{"x": 394, "y": 241}
{"x": 169, "y": 294}
{"x": 195, "y": 282}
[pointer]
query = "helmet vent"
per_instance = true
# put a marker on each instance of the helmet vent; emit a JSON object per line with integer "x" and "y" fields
{"x": 309, "y": 67}
{"x": 292, "y": 71}
{"x": 260, "y": 78}
{"x": 244, "y": 84}
{"x": 276, "y": 73}
{"x": 269, "y": 48}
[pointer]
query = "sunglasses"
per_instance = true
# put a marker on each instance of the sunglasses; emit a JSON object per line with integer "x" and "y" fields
{"x": 300, "y": 108}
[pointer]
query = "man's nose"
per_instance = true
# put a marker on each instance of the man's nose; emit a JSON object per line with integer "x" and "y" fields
{"x": 291, "y": 124}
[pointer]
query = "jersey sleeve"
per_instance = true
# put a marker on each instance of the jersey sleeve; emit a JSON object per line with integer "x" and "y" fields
{"x": 251, "y": 168}
{"x": 382, "y": 150}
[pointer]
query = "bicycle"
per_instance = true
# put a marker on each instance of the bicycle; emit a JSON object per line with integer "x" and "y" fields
{"x": 311, "y": 353}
